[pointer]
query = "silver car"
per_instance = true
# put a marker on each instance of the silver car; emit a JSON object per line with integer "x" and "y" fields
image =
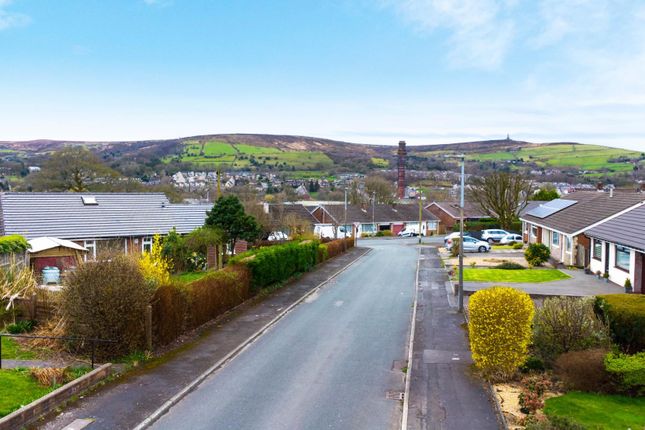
{"x": 493, "y": 235}
{"x": 471, "y": 244}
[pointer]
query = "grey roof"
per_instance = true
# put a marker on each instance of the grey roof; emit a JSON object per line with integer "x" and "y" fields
{"x": 382, "y": 213}
{"x": 277, "y": 211}
{"x": 471, "y": 209}
{"x": 591, "y": 207}
{"x": 63, "y": 215}
{"x": 627, "y": 229}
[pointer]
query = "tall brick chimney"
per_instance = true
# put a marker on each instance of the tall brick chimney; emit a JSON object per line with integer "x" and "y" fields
{"x": 400, "y": 192}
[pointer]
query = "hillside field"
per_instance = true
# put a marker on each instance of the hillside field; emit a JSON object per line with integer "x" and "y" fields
{"x": 239, "y": 155}
{"x": 581, "y": 157}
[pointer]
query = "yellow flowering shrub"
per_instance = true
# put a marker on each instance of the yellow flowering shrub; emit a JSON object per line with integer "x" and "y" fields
{"x": 154, "y": 266}
{"x": 500, "y": 330}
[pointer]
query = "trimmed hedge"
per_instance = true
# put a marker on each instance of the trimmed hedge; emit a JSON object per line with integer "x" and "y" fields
{"x": 629, "y": 371}
{"x": 338, "y": 246}
{"x": 625, "y": 314}
{"x": 178, "y": 307}
{"x": 500, "y": 330}
{"x": 13, "y": 243}
{"x": 278, "y": 263}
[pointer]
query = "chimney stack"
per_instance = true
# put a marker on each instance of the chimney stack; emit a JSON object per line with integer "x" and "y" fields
{"x": 400, "y": 192}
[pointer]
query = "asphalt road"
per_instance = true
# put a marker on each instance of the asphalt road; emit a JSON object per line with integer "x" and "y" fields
{"x": 329, "y": 364}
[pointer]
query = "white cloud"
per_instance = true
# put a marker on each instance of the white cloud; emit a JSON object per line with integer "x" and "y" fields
{"x": 481, "y": 32}
{"x": 11, "y": 19}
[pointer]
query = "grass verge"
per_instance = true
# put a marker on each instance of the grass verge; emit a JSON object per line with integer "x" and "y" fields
{"x": 18, "y": 388}
{"x": 521, "y": 275}
{"x": 11, "y": 350}
{"x": 597, "y": 411}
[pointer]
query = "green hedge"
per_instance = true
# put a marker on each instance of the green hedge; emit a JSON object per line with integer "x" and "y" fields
{"x": 628, "y": 370}
{"x": 13, "y": 243}
{"x": 278, "y": 263}
{"x": 626, "y": 316}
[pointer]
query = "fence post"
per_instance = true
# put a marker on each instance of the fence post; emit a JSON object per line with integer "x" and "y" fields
{"x": 149, "y": 327}
{"x": 33, "y": 305}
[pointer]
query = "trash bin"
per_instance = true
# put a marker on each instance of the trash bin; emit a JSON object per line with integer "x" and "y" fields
{"x": 51, "y": 275}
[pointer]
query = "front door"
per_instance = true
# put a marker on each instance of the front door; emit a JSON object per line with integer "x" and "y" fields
{"x": 606, "y": 257}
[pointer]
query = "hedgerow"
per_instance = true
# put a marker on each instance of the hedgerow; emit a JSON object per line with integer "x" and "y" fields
{"x": 500, "y": 330}
{"x": 625, "y": 314}
{"x": 13, "y": 243}
{"x": 628, "y": 371}
{"x": 278, "y": 263}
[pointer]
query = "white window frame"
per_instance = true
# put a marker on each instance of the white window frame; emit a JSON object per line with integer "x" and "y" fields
{"x": 568, "y": 244}
{"x": 534, "y": 231}
{"x": 90, "y": 245}
{"x": 146, "y": 241}
{"x": 629, "y": 258}
{"x": 555, "y": 234}
{"x": 593, "y": 249}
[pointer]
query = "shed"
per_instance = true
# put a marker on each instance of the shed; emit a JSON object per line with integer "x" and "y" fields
{"x": 53, "y": 252}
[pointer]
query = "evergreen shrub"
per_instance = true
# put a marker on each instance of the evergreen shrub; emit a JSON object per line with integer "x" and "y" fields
{"x": 625, "y": 314}
{"x": 500, "y": 330}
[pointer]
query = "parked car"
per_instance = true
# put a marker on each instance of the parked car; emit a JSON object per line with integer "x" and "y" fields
{"x": 472, "y": 245}
{"x": 278, "y": 236}
{"x": 491, "y": 236}
{"x": 511, "y": 238}
{"x": 448, "y": 239}
{"x": 410, "y": 230}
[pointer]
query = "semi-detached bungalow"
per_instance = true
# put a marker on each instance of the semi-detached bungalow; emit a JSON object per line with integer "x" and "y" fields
{"x": 370, "y": 219}
{"x": 448, "y": 213}
{"x": 618, "y": 248}
{"x": 99, "y": 222}
{"x": 561, "y": 224}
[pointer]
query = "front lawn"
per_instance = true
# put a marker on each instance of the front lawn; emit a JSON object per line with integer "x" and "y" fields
{"x": 190, "y": 276}
{"x": 598, "y": 411}
{"x": 481, "y": 274}
{"x": 18, "y": 388}
{"x": 11, "y": 350}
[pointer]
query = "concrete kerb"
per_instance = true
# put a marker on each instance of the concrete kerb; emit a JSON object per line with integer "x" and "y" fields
{"x": 410, "y": 348}
{"x": 38, "y": 408}
{"x": 231, "y": 355}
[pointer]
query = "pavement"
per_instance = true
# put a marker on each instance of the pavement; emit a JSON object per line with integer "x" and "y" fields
{"x": 124, "y": 403}
{"x": 334, "y": 362}
{"x": 579, "y": 285}
{"x": 444, "y": 392}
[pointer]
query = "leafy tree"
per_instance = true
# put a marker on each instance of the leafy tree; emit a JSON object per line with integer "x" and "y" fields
{"x": 228, "y": 215}
{"x": 382, "y": 188}
{"x": 546, "y": 193}
{"x": 501, "y": 195}
{"x": 73, "y": 168}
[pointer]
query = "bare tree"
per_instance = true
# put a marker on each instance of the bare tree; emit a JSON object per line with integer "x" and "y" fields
{"x": 501, "y": 195}
{"x": 382, "y": 188}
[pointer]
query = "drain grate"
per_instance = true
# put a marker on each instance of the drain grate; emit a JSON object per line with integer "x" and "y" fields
{"x": 394, "y": 395}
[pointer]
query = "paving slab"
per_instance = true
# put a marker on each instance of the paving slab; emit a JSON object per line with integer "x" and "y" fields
{"x": 444, "y": 392}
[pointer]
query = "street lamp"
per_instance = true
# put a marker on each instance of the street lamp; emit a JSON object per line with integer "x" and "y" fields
{"x": 460, "y": 292}
{"x": 373, "y": 203}
{"x": 421, "y": 199}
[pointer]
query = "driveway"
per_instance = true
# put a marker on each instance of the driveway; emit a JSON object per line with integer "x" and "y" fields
{"x": 579, "y": 285}
{"x": 332, "y": 363}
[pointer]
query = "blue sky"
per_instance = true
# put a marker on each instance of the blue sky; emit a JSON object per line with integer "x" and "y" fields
{"x": 427, "y": 71}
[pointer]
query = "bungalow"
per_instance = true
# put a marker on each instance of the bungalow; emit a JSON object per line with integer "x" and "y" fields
{"x": 124, "y": 222}
{"x": 374, "y": 218}
{"x": 618, "y": 248}
{"x": 448, "y": 213}
{"x": 561, "y": 223}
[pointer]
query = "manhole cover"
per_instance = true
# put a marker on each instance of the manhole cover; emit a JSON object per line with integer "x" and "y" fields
{"x": 394, "y": 395}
